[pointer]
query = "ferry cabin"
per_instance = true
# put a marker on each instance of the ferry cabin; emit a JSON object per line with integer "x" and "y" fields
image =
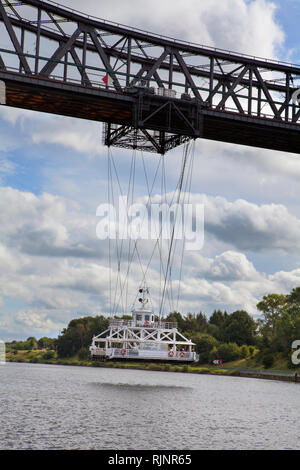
{"x": 143, "y": 338}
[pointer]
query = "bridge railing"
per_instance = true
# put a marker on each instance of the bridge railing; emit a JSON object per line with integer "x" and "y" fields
{"x": 100, "y": 85}
{"x": 168, "y": 38}
{"x": 163, "y": 92}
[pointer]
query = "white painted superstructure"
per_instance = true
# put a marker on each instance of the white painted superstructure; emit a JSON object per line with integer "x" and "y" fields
{"x": 143, "y": 338}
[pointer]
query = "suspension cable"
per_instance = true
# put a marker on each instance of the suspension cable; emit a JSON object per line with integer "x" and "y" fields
{"x": 186, "y": 148}
{"x": 187, "y": 191}
{"x": 183, "y": 187}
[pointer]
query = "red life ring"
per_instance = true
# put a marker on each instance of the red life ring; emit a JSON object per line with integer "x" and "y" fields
{"x": 182, "y": 354}
{"x": 123, "y": 352}
{"x": 147, "y": 323}
{"x": 171, "y": 353}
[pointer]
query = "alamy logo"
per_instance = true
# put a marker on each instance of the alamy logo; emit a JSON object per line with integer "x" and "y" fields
{"x": 296, "y": 354}
{"x": 138, "y": 221}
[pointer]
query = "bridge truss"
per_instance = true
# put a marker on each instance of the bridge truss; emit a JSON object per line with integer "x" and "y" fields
{"x": 152, "y": 92}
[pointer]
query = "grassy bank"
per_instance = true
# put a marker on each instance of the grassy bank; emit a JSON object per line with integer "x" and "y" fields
{"x": 242, "y": 367}
{"x": 38, "y": 357}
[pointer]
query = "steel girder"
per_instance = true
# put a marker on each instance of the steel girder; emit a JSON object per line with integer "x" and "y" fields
{"x": 177, "y": 89}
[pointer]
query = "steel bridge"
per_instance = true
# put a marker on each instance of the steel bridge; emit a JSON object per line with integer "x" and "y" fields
{"x": 152, "y": 92}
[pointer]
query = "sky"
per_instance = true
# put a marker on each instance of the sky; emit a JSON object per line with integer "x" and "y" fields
{"x": 53, "y": 176}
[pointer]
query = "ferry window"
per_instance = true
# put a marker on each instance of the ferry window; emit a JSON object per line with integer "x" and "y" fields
{"x": 147, "y": 317}
{"x": 139, "y": 317}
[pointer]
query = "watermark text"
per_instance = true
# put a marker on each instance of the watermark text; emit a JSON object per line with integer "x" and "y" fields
{"x": 156, "y": 221}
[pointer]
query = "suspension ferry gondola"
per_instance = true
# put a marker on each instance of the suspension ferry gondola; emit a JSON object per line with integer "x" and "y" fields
{"x": 146, "y": 336}
{"x": 143, "y": 338}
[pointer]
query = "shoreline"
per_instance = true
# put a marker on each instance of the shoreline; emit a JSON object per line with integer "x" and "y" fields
{"x": 268, "y": 374}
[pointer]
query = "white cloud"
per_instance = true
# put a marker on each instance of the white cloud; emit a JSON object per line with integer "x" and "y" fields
{"x": 230, "y": 266}
{"x": 287, "y": 280}
{"x": 36, "y": 321}
{"x": 82, "y": 136}
{"x": 249, "y": 226}
{"x": 46, "y": 225}
{"x": 245, "y": 225}
{"x": 50, "y": 262}
{"x": 79, "y": 135}
{"x": 269, "y": 163}
{"x": 7, "y": 167}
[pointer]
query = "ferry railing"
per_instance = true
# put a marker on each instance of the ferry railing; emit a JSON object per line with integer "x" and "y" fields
{"x": 130, "y": 323}
{"x": 98, "y": 351}
{"x": 145, "y": 354}
{"x": 163, "y": 355}
{"x": 121, "y": 323}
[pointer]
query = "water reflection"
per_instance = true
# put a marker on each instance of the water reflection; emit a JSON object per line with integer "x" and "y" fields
{"x": 139, "y": 386}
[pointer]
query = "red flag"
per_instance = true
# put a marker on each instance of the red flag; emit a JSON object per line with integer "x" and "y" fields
{"x": 106, "y": 79}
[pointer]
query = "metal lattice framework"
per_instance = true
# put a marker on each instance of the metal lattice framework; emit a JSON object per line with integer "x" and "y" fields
{"x": 125, "y": 340}
{"x": 153, "y": 92}
{"x": 131, "y": 335}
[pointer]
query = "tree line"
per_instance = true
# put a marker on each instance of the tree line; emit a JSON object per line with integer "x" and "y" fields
{"x": 221, "y": 336}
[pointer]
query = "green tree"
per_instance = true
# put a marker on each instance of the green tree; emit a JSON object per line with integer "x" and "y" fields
{"x": 244, "y": 351}
{"x": 226, "y": 352}
{"x": 272, "y": 306}
{"x": 176, "y": 317}
{"x": 268, "y": 359}
{"x": 31, "y": 343}
{"x": 190, "y": 323}
{"x": 47, "y": 343}
{"x": 204, "y": 345}
{"x": 294, "y": 297}
{"x": 271, "y": 327}
{"x": 215, "y": 331}
{"x": 287, "y": 329}
{"x": 218, "y": 318}
{"x": 201, "y": 322}
{"x": 216, "y": 324}
{"x": 239, "y": 328}
{"x": 79, "y": 334}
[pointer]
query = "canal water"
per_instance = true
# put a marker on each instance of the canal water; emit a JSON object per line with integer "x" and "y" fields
{"x": 61, "y": 407}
